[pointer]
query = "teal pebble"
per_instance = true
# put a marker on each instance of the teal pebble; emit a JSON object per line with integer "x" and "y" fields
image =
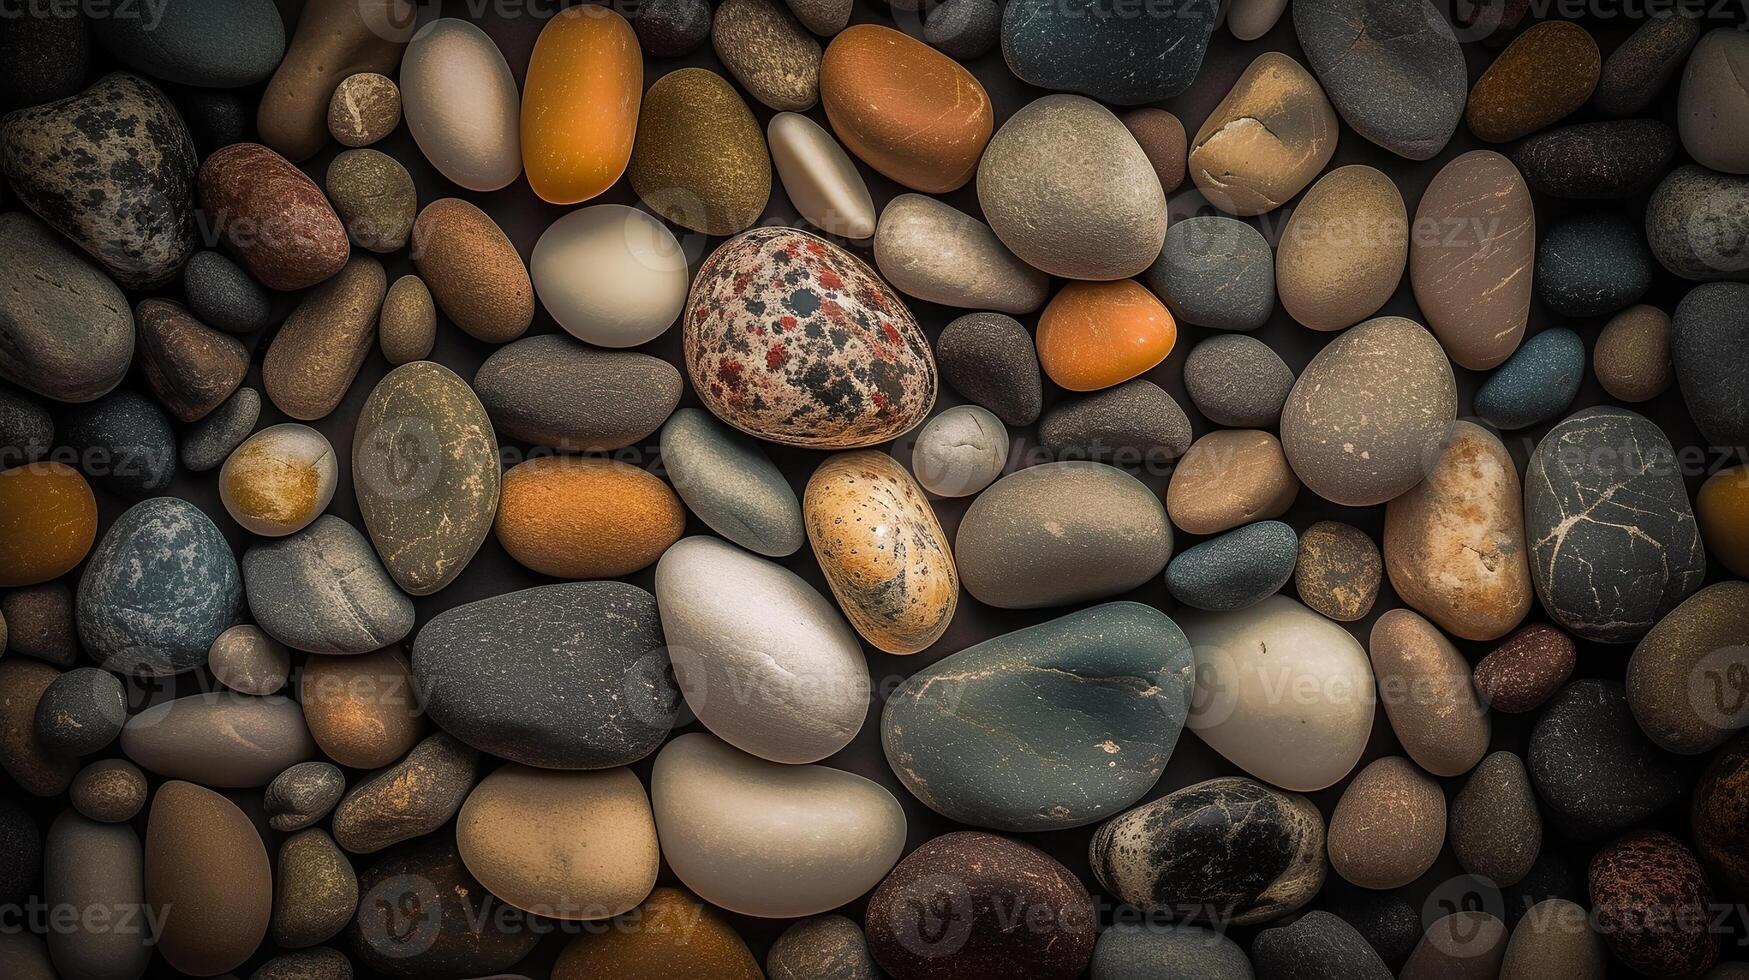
{"x": 1238, "y": 569}
{"x": 1592, "y": 264}
{"x": 1536, "y": 384}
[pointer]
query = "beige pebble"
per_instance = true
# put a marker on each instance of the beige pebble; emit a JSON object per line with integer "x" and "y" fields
{"x": 1389, "y": 825}
{"x": 109, "y": 791}
{"x": 1344, "y": 249}
{"x": 363, "y": 109}
{"x": 407, "y": 329}
{"x": 1424, "y": 683}
{"x": 1338, "y": 570}
{"x": 1228, "y": 478}
{"x": 1267, "y": 140}
{"x": 247, "y": 660}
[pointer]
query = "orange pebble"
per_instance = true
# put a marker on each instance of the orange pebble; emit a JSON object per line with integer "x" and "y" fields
{"x": 580, "y": 104}
{"x": 1094, "y": 335}
{"x": 1722, "y": 508}
{"x": 48, "y": 520}
{"x": 585, "y": 517}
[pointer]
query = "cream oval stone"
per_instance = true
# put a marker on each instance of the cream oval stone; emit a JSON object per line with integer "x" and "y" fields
{"x": 1266, "y": 140}
{"x": 1281, "y": 692}
{"x": 222, "y": 739}
{"x": 461, "y": 104}
{"x": 939, "y": 254}
{"x": 1389, "y": 825}
{"x": 819, "y": 177}
{"x": 1454, "y": 544}
{"x": 1471, "y": 258}
{"x": 771, "y": 840}
{"x": 1344, "y": 249}
{"x": 884, "y": 554}
{"x": 610, "y": 275}
{"x": 279, "y": 480}
{"x": 577, "y": 846}
{"x": 1425, "y": 685}
{"x": 764, "y": 661}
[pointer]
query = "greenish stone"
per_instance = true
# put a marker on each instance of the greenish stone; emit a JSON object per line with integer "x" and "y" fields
{"x": 1237, "y": 570}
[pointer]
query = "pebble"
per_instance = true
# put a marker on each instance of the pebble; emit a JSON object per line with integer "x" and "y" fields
{"x": 1368, "y": 411}
{"x": 1639, "y": 68}
{"x": 317, "y": 352}
{"x": 1544, "y": 75}
{"x": 302, "y": 795}
{"x": 838, "y": 836}
{"x": 960, "y": 452}
{"x": 824, "y": 947}
{"x": 374, "y": 197}
{"x": 1710, "y": 327}
{"x": 728, "y": 481}
{"x": 1613, "y": 543}
{"x": 954, "y": 885}
{"x": 1338, "y": 571}
{"x": 1316, "y": 945}
{"x": 1228, "y": 850}
{"x": 49, "y": 520}
{"x": 1228, "y": 478}
{"x": 271, "y": 217}
{"x": 580, "y": 99}
{"x": 1652, "y": 904}
{"x": 322, "y": 590}
{"x": 1303, "y": 744}
{"x": 1161, "y": 136}
{"x": 1385, "y": 920}
{"x": 31, "y": 766}
{"x": 462, "y": 105}
{"x": 1536, "y": 383}
{"x": 27, "y": 431}
{"x": 338, "y": 39}
{"x": 1343, "y": 251}
{"x": 1134, "y": 423}
{"x": 565, "y": 845}
{"x": 1712, "y": 105}
{"x": 1069, "y": 191}
{"x": 207, "y": 876}
{"x": 906, "y": 110}
{"x": 1061, "y": 533}
{"x": 1074, "y": 744}
{"x": 86, "y": 163}
{"x": 1716, "y": 814}
{"x": 365, "y": 108}
{"x": 1594, "y": 770}
{"x": 1632, "y": 356}
{"x": 80, "y": 712}
{"x": 40, "y": 619}
{"x": 671, "y": 28}
{"x": 409, "y": 799}
{"x": 1237, "y": 381}
{"x": 322, "y": 963}
{"x": 1389, "y": 825}
{"x": 1526, "y": 669}
{"x": 764, "y": 661}
{"x": 1267, "y": 139}
{"x": 1454, "y": 544}
{"x": 407, "y": 324}
{"x": 605, "y": 697}
{"x": 208, "y": 43}
{"x": 158, "y": 590}
{"x": 125, "y": 442}
{"x": 1251, "y": 19}
{"x": 1680, "y": 678}
{"x": 677, "y": 936}
{"x": 550, "y": 391}
{"x": 222, "y": 295}
{"x": 466, "y": 931}
{"x": 279, "y": 480}
{"x": 819, "y": 178}
{"x": 209, "y": 442}
{"x": 315, "y": 891}
{"x": 769, "y": 52}
{"x": 1697, "y": 224}
{"x": 823, "y": 17}
{"x": 1394, "y": 71}
{"x": 222, "y": 739}
{"x": 189, "y": 367}
{"x": 249, "y": 661}
{"x": 1496, "y": 830}
{"x": 990, "y": 359}
{"x": 472, "y": 269}
{"x": 90, "y": 866}
{"x": 931, "y": 251}
{"x": 700, "y": 161}
{"x": 1721, "y": 509}
{"x": 1471, "y": 258}
{"x": 1467, "y": 945}
{"x": 580, "y": 517}
{"x": 1215, "y": 272}
{"x": 1146, "y": 950}
{"x": 1236, "y": 570}
{"x": 1093, "y": 335}
{"x": 1424, "y": 683}
{"x": 852, "y": 370}
{"x": 361, "y": 708}
{"x": 611, "y": 275}
{"x": 964, "y": 30}
{"x": 44, "y": 59}
{"x": 1591, "y": 265}
{"x": 1554, "y": 939}
{"x": 109, "y": 791}
{"x": 70, "y": 331}
{"x": 1591, "y": 161}
{"x": 1103, "y": 49}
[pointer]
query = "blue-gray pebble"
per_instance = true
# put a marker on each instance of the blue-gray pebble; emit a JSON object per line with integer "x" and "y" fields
{"x": 207, "y": 43}
{"x": 207, "y": 442}
{"x": 1709, "y": 347}
{"x": 1536, "y": 383}
{"x": 1592, "y": 265}
{"x": 322, "y": 590}
{"x": 1111, "y": 50}
{"x": 726, "y": 478}
{"x": 1215, "y": 272}
{"x": 1150, "y": 951}
{"x": 1238, "y": 569}
{"x": 1393, "y": 70}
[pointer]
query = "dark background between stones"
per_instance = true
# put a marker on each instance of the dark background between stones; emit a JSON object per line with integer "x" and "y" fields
{"x": 514, "y": 25}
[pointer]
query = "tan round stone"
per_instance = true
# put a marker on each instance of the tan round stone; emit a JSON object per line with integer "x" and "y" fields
{"x": 361, "y": 709}
{"x": 1632, "y": 356}
{"x": 279, "y": 480}
{"x": 1267, "y": 140}
{"x": 109, "y": 790}
{"x": 1344, "y": 249}
{"x": 1389, "y": 825}
{"x": 473, "y": 271}
{"x": 363, "y": 109}
{"x": 1554, "y": 939}
{"x": 1228, "y": 478}
{"x": 1424, "y": 684}
{"x": 407, "y": 329}
{"x": 208, "y": 879}
{"x": 315, "y": 891}
{"x": 1338, "y": 571}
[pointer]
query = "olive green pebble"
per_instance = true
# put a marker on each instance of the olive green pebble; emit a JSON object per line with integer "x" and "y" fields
{"x": 375, "y": 198}
{"x": 407, "y": 328}
{"x": 109, "y": 791}
{"x": 364, "y": 108}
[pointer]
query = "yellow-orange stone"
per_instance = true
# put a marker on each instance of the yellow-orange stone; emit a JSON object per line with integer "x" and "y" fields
{"x": 580, "y": 104}
{"x": 676, "y": 936}
{"x": 584, "y": 517}
{"x": 48, "y": 520}
{"x": 1094, "y": 335}
{"x": 906, "y": 109}
{"x": 1722, "y": 508}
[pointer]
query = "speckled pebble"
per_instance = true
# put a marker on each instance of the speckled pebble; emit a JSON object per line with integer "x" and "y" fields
{"x": 1593, "y": 769}
{"x": 1590, "y": 265}
{"x": 1338, "y": 571}
{"x": 375, "y": 198}
{"x": 1215, "y": 272}
{"x": 1639, "y": 68}
{"x": 1708, "y": 335}
{"x": 960, "y": 452}
{"x": 223, "y": 295}
{"x": 826, "y": 947}
{"x": 1237, "y": 380}
{"x": 108, "y": 791}
{"x": 407, "y": 326}
{"x": 964, "y": 30}
{"x": 671, "y": 28}
{"x": 1536, "y": 383}
{"x": 302, "y": 795}
{"x": 207, "y": 443}
{"x": 1317, "y": 946}
{"x": 124, "y": 442}
{"x": 1134, "y": 423}
{"x": 39, "y": 622}
{"x": 1238, "y": 569}
{"x": 247, "y": 660}
{"x": 1632, "y": 356}
{"x": 990, "y": 359}
{"x": 363, "y": 109}
{"x": 1616, "y": 158}
{"x": 80, "y": 712}
{"x": 1697, "y": 223}
{"x": 1496, "y": 831}
{"x": 1526, "y": 669}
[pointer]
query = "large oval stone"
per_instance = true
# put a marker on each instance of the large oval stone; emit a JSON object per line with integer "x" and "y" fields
{"x": 221, "y": 739}
{"x": 461, "y": 104}
{"x": 569, "y": 676}
{"x": 1687, "y": 678}
{"x": 1613, "y": 541}
{"x": 1108, "y": 50}
{"x": 1471, "y": 252}
{"x": 1050, "y": 727}
{"x": 66, "y": 331}
{"x": 1708, "y": 335}
{"x": 940, "y": 254}
{"x": 580, "y": 104}
{"x": 1393, "y": 70}
{"x": 425, "y": 469}
{"x": 473, "y": 270}
{"x": 761, "y": 838}
{"x": 91, "y": 865}
{"x": 700, "y": 159}
{"x": 551, "y": 391}
{"x": 794, "y": 340}
{"x": 322, "y": 590}
{"x": 1594, "y": 770}
{"x": 586, "y": 517}
{"x": 158, "y": 590}
{"x": 207, "y": 876}
{"x": 272, "y": 217}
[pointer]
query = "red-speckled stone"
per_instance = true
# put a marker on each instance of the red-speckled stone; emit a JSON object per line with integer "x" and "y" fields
{"x": 271, "y": 217}
{"x": 1652, "y": 904}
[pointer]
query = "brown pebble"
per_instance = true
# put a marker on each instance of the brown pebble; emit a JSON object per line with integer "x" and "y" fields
{"x": 1653, "y": 905}
{"x": 680, "y": 937}
{"x": 1461, "y": 946}
{"x": 1268, "y": 139}
{"x": 39, "y": 623}
{"x": 190, "y": 367}
{"x": 1632, "y": 357}
{"x": 309, "y": 964}
{"x": 375, "y": 198}
{"x": 246, "y": 659}
{"x": 464, "y": 930}
{"x": 1496, "y": 830}
{"x": 109, "y": 790}
{"x": 324, "y": 342}
{"x": 361, "y": 709}
{"x": 1527, "y": 669}
{"x": 32, "y": 767}
{"x": 409, "y": 799}
{"x": 1424, "y": 685}
{"x": 407, "y": 329}
{"x": 302, "y": 795}
{"x": 472, "y": 270}
{"x": 272, "y": 218}
{"x": 334, "y": 40}
{"x": 1473, "y": 283}
{"x": 315, "y": 891}
{"x": 1543, "y": 75}
{"x": 1228, "y": 478}
{"x": 207, "y": 879}
{"x": 1162, "y": 139}
{"x": 364, "y": 108}
{"x": 1339, "y": 570}
{"x": 1554, "y": 939}
{"x": 1389, "y": 825}
{"x": 1721, "y": 798}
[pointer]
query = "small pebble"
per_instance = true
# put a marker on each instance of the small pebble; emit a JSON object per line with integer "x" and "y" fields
{"x": 964, "y": 30}
{"x": 1591, "y": 265}
{"x": 409, "y": 799}
{"x": 1527, "y": 669}
{"x": 375, "y": 198}
{"x": 960, "y": 452}
{"x": 1721, "y": 507}
{"x": 1244, "y": 173}
{"x": 1388, "y": 923}
{"x": 361, "y": 708}
{"x": 1104, "y": 50}
{"x": 1228, "y": 478}
{"x": 1161, "y": 136}
{"x": 27, "y": 431}
{"x": 1427, "y": 694}
{"x": 279, "y": 480}
{"x": 309, "y": 964}
{"x": 109, "y": 791}
{"x": 728, "y": 481}
{"x": 1338, "y": 570}
{"x": 1632, "y": 356}
{"x": 363, "y": 109}
{"x": 125, "y": 442}
{"x": 1496, "y": 830}
{"x": 209, "y": 442}
{"x": 1708, "y": 334}
{"x": 1133, "y": 424}
{"x": 322, "y": 590}
{"x": 1389, "y": 826}
{"x": 769, "y": 52}
{"x": 223, "y": 295}
{"x": 317, "y": 353}
{"x": 189, "y": 367}
{"x": 990, "y": 359}
{"x": 81, "y": 712}
{"x": 1238, "y": 569}
{"x": 671, "y": 28}
{"x": 39, "y": 623}
{"x": 302, "y": 795}
{"x": 1682, "y": 677}
{"x": 826, "y": 947}
{"x": 1148, "y": 951}
{"x": 1554, "y": 939}
{"x": 1237, "y": 380}
{"x": 1394, "y": 71}
{"x": 1639, "y": 68}
{"x": 249, "y": 661}
{"x": 473, "y": 271}
{"x": 407, "y": 327}
{"x": 1536, "y": 383}
{"x": 1215, "y": 272}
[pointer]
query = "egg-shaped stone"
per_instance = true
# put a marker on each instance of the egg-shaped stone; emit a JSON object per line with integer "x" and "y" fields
{"x": 730, "y": 483}
{"x": 1707, "y": 338}
{"x": 363, "y": 709}
{"x": 29, "y": 764}
{"x": 460, "y": 101}
{"x": 1536, "y": 383}
{"x": 338, "y": 39}
{"x": 1697, "y": 224}
{"x": 1216, "y": 272}
{"x": 365, "y": 108}
{"x": 221, "y": 739}
{"x": 1685, "y": 678}
{"x": 819, "y": 178}
{"x": 1471, "y": 255}
{"x": 552, "y": 391}
{"x": 1094, "y": 335}
{"x": 884, "y": 554}
{"x": 1424, "y": 683}
{"x": 375, "y": 198}
{"x": 610, "y": 275}
{"x": 279, "y": 480}
{"x": 272, "y": 217}
{"x": 207, "y": 876}
{"x": 1228, "y": 478}
{"x": 764, "y": 661}
{"x": 769, "y": 52}
{"x": 1721, "y": 508}
{"x": 794, "y": 340}
{"x": 586, "y": 517}
{"x": 1713, "y": 103}
{"x": 580, "y": 103}
{"x": 1546, "y": 73}
{"x": 1344, "y": 249}
{"x": 771, "y": 840}
{"x": 1106, "y": 49}
{"x": 700, "y": 159}
{"x": 473, "y": 270}
{"x": 1264, "y": 142}
{"x": 1389, "y": 826}
{"x": 1652, "y": 903}
{"x": 960, "y": 452}
{"x": 91, "y": 865}
{"x": 1247, "y": 658}
{"x": 48, "y": 521}
{"x": 939, "y": 254}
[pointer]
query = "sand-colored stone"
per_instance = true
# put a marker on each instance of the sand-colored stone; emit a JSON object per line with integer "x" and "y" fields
{"x": 1338, "y": 570}
{"x": 1554, "y": 939}
{"x": 208, "y": 877}
{"x": 580, "y": 104}
{"x": 583, "y": 517}
{"x": 1344, "y": 249}
{"x": 407, "y": 328}
{"x": 1228, "y": 478}
{"x": 678, "y": 937}
{"x": 315, "y": 890}
{"x": 279, "y": 480}
{"x": 1722, "y": 509}
{"x": 1472, "y": 248}
{"x": 364, "y": 108}
{"x": 1389, "y": 826}
{"x": 108, "y": 791}
{"x": 1093, "y": 335}
{"x": 320, "y": 347}
{"x": 361, "y": 709}
{"x": 700, "y": 160}
{"x": 1544, "y": 75}
{"x": 48, "y": 522}
{"x": 335, "y": 39}
{"x": 1264, "y": 142}
{"x": 473, "y": 271}
{"x": 1424, "y": 684}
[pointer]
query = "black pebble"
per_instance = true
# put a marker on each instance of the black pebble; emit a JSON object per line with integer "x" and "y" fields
{"x": 80, "y": 712}
{"x": 222, "y": 295}
{"x": 1388, "y": 923}
{"x": 964, "y": 29}
{"x": 1593, "y": 161}
{"x": 1134, "y": 423}
{"x": 1593, "y": 768}
{"x": 669, "y": 28}
{"x": 990, "y": 359}
{"x": 1592, "y": 265}
{"x": 42, "y": 57}
{"x": 26, "y": 429}
{"x": 124, "y": 443}
{"x": 1709, "y": 343}
{"x": 1318, "y": 946}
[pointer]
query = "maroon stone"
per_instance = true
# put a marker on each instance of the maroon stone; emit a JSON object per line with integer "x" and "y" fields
{"x": 1527, "y": 669}
{"x": 271, "y": 217}
{"x": 1652, "y": 904}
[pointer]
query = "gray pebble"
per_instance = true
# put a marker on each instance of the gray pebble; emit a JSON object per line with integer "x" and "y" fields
{"x": 726, "y": 478}
{"x": 1697, "y": 223}
{"x": 1393, "y": 70}
{"x": 551, "y": 390}
{"x": 1642, "y": 65}
{"x": 1150, "y": 951}
{"x": 80, "y": 712}
{"x": 1317, "y": 946}
{"x": 990, "y": 359}
{"x": 302, "y": 795}
{"x": 963, "y": 29}
{"x": 1238, "y": 569}
{"x": 825, "y": 947}
{"x": 125, "y": 444}
{"x": 960, "y": 452}
{"x": 1592, "y": 766}
{"x": 26, "y": 429}
{"x": 207, "y": 442}
{"x": 222, "y": 295}
{"x": 69, "y": 333}
{"x": 1215, "y": 272}
{"x": 1496, "y": 830}
{"x": 375, "y": 198}
{"x": 1709, "y": 347}
{"x": 1237, "y": 380}
{"x": 322, "y": 590}
{"x": 247, "y": 660}
{"x": 1136, "y": 422}
{"x": 1590, "y": 265}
